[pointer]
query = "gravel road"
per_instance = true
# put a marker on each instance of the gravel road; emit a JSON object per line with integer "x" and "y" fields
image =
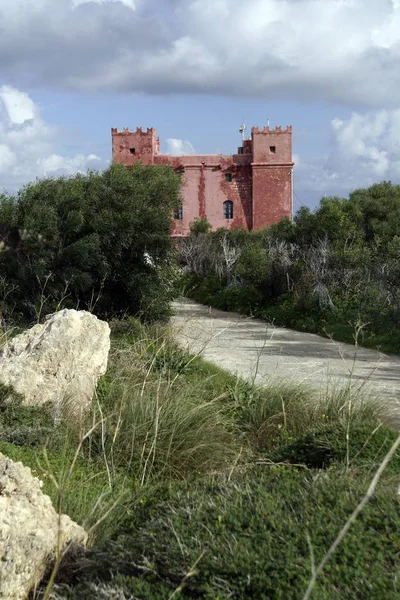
{"x": 259, "y": 352}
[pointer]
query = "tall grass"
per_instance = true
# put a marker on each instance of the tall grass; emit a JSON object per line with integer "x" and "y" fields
{"x": 282, "y": 411}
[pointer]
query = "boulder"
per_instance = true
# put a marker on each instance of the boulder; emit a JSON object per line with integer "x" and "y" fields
{"x": 61, "y": 359}
{"x": 30, "y": 531}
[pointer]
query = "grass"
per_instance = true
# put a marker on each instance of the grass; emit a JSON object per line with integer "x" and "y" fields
{"x": 388, "y": 341}
{"x": 193, "y": 483}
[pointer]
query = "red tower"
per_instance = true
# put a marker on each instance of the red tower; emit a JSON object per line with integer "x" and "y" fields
{"x": 251, "y": 189}
{"x": 128, "y": 147}
{"x": 272, "y": 175}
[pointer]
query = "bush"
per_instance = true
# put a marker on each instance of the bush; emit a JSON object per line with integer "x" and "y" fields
{"x": 248, "y": 538}
{"x": 203, "y": 290}
{"x": 200, "y": 226}
{"x": 99, "y": 241}
{"x": 241, "y": 298}
{"x": 367, "y": 445}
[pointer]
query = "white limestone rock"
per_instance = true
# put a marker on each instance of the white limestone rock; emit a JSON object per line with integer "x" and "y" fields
{"x": 30, "y": 530}
{"x": 59, "y": 360}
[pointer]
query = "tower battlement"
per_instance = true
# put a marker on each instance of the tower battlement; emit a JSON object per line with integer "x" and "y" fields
{"x": 278, "y": 129}
{"x": 127, "y": 131}
{"x": 129, "y": 147}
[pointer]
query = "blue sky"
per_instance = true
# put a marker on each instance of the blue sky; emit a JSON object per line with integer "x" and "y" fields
{"x": 196, "y": 69}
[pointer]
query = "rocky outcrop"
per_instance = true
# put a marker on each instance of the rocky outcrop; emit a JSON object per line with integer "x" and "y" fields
{"x": 30, "y": 531}
{"x": 61, "y": 359}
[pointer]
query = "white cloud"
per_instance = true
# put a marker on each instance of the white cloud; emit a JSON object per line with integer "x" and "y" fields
{"x": 7, "y": 158}
{"x": 338, "y": 50}
{"x": 177, "y": 147}
{"x": 365, "y": 149}
{"x": 28, "y": 144}
{"x": 361, "y": 142}
{"x": 55, "y": 163}
{"x": 18, "y": 105}
{"x": 129, "y": 3}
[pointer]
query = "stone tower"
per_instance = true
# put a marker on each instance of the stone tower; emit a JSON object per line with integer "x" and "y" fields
{"x": 272, "y": 175}
{"x": 128, "y": 147}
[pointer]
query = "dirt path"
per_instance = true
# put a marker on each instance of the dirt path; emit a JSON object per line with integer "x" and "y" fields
{"x": 257, "y": 351}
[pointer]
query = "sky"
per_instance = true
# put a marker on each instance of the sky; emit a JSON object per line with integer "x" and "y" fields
{"x": 195, "y": 70}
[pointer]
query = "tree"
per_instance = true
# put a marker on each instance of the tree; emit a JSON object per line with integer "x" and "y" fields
{"x": 99, "y": 241}
{"x": 200, "y": 226}
{"x": 379, "y": 207}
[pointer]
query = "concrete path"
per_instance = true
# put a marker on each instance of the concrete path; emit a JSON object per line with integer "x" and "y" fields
{"x": 259, "y": 352}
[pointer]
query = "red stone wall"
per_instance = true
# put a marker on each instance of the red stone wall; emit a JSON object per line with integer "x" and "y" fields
{"x": 260, "y": 189}
{"x": 272, "y": 192}
{"x": 205, "y": 190}
{"x": 144, "y": 143}
{"x": 264, "y": 140}
{"x": 272, "y": 175}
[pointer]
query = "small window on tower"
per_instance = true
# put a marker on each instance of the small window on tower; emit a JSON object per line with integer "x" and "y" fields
{"x": 228, "y": 177}
{"x": 178, "y": 213}
{"x": 228, "y": 209}
{"x": 272, "y": 149}
{"x": 132, "y": 150}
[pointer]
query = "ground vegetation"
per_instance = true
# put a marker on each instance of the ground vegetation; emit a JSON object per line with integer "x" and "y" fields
{"x": 193, "y": 483}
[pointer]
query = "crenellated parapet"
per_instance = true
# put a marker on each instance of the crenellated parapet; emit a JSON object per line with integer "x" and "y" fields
{"x": 278, "y": 129}
{"x": 129, "y": 147}
{"x": 126, "y": 130}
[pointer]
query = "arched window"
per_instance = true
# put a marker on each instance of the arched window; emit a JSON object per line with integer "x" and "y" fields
{"x": 178, "y": 213}
{"x": 228, "y": 209}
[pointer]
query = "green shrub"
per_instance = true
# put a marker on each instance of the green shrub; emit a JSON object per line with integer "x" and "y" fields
{"x": 203, "y": 290}
{"x": 126, "y": 326}
{"x": 240, "y": 298}
{"x": 249, "y": 536}
{"x": 363, "y": 444}
{"x": 200, "y": 226}
{"x": 99, "y": 241}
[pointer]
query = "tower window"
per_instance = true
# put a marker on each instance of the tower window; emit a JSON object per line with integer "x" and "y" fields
{"x": 228, "y": 209}
{"x": 178, "y": 213}
{"x": 228, "y": 177}
{"x": 132, "y": 150}
{"x": 272, "y": 149}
